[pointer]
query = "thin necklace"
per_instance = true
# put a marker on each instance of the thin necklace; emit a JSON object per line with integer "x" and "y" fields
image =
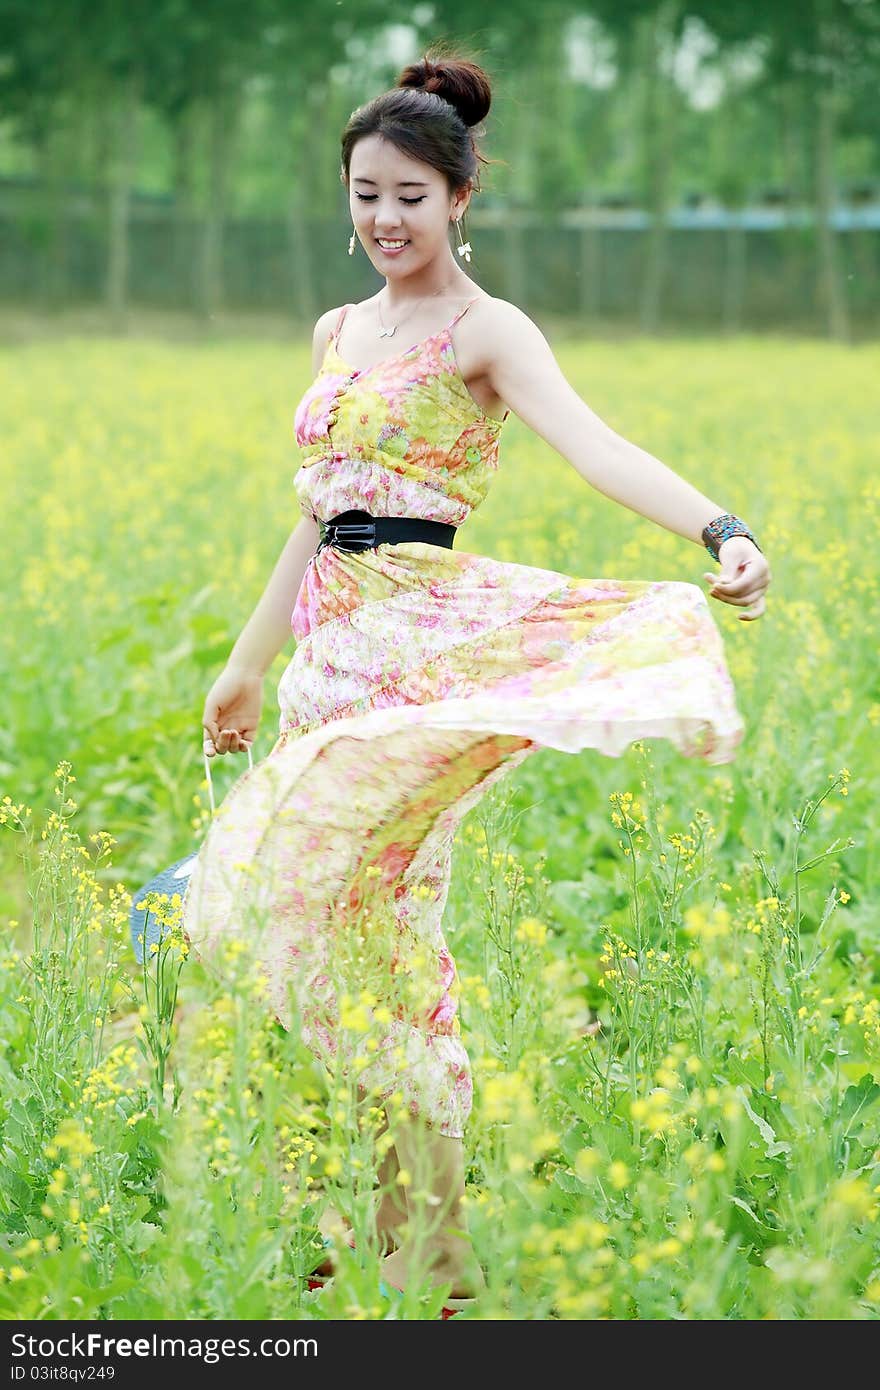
{"x": 389, "y": 332}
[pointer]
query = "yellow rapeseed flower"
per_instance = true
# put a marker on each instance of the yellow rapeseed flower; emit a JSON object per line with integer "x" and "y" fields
{"x": 586, "y": 1162}
{"x": 532, "y": 930}
{"x": 618, "y": 1174}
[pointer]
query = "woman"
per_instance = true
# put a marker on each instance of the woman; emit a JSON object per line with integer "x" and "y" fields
{"x": 422, "y": 674}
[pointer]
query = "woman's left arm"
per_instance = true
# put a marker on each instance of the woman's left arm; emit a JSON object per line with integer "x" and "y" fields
{"x": 525, "y": 374}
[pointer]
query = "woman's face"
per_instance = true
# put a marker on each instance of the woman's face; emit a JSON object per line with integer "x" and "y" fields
{"x": 396, "y": 198}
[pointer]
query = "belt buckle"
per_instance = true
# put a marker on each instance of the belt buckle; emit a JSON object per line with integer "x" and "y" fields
{"x": 360, "y": 535}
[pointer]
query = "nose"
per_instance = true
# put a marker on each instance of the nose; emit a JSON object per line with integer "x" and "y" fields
{"x": 383, "y": 227}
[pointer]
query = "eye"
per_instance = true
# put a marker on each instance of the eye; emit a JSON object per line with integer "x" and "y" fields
{"x": 369, "y": 197}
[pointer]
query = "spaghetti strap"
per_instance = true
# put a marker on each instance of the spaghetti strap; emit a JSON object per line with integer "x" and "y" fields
{"x": 463, "y": 311}
{"x": 339, "y": 318}
{"x": 345, "y": 308}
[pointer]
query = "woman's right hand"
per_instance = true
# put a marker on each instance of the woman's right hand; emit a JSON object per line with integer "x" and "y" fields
{"x": 232, "y": 711}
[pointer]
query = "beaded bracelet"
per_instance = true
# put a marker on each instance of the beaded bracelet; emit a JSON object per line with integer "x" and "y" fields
{"x": 722, "y": 529}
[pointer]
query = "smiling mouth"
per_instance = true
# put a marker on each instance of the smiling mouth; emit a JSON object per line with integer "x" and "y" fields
{"x": 392, "y": 246}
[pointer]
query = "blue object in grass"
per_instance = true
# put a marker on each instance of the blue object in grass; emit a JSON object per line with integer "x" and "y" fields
{"x": 144, "y": 923}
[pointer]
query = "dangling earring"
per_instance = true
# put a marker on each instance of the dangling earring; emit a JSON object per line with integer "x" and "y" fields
{"x": 351, "y": 244}
{"x": 465, "y": 246}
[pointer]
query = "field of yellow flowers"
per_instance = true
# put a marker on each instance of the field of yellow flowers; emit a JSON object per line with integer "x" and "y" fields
{"x": 669, "y": 971}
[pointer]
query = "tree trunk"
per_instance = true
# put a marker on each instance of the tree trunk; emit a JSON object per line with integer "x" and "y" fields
{"x": 551, "y": 129}
{"x": 735, "y": 246}
{"x": 524, "y": 120}
{"x": 657, "y": 144}
{"x": 590, "y": 239}
{"x": 830, "y": 278}
{"x": 793, "y": 118}
{"x": 222, "y": 119}
{"x": 864, "y": 263}
{"x": 120, "y": 174}
{"x": 52, "y": 283}
{"x": 516, "y": 233}
{"x": 308, "y": 120}
{"x": 729, "y": 180}
{"x": 304, "y": 292}
{"x": 185, "y": 134}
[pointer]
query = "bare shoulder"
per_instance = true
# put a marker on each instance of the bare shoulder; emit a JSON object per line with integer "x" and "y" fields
{"x": 502, "y": 330}
{"x": 502, "y": 318}
{"x": 321, "y": 337}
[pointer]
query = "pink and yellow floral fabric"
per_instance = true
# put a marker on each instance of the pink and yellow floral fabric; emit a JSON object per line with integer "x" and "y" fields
{"x": 421, "y": 676}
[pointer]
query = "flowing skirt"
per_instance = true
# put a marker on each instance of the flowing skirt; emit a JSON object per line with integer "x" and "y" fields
{"x": 332, "y": 856}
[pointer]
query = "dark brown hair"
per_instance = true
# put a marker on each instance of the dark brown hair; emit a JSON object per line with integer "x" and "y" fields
{"x": 428, "y": 116}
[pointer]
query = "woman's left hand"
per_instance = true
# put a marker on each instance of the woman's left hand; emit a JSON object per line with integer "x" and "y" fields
{"x": 744, "y": 577}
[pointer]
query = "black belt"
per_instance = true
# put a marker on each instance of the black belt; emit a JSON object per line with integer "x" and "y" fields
{"x": 357, "y": 530}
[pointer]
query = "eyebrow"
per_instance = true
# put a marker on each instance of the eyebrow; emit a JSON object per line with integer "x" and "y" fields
{"x": 406, "y": 183}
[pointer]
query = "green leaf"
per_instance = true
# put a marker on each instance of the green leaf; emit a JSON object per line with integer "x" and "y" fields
{"x": 141, "y": 1235}
{"x": 86, "y": 1299}
{"x": 744, "y": 1206}
{"x": 18, "y": 1191}
{"x": 613, "y": 1140}
{"x": 570, "y": 1182}
{"x": 857, "y": 1101}
{"x": 774, "y": 1146}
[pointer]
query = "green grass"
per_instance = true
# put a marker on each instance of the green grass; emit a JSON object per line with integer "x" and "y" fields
{"x": 669, "y": 970}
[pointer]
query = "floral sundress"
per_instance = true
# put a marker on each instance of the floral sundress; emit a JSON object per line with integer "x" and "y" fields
{"x": 421, "y": 676}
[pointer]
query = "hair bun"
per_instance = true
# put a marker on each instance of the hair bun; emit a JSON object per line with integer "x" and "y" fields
{"x": 457, "y": 80}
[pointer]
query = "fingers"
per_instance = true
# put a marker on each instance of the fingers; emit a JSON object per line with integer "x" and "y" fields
{"x": 218, "y": 741}
{"x": 744, "y": 599}
{"x": 742, "y": 590}
{"x": 741, "y": 594}
{"x": 747, "y": 601}
{"x": 733, "y": 584}
{"x": 211, "y": 734}
{"x": 226, "y": 741}
{"x": 756, "y": 612}
{"x": 733, "y": 576}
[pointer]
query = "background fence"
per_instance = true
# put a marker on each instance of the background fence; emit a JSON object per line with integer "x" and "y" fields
{"x": 751, "y": 270}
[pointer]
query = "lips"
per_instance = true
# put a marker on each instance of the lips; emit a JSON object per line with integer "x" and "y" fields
{"x": 391, "y": 250}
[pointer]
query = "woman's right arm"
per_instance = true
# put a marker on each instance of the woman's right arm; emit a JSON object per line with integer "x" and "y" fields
{"x": 233, "y": 704}
{"x": 268, "y": 627}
